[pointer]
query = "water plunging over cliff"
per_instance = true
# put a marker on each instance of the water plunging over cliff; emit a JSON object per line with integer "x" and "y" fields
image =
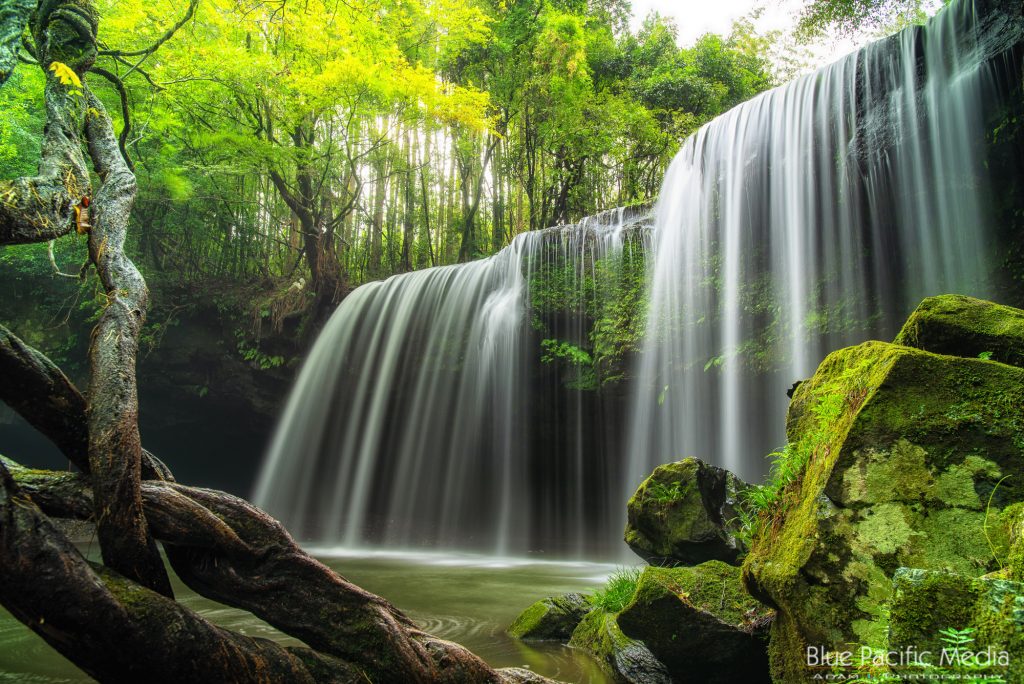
{"x": 815, "y": 216}
{"x": 416, "y": 420}
{"x": 812, "y": 217}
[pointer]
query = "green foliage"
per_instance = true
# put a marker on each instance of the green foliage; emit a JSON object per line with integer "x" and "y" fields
{"x": 610, "y": 296}
{"x": 985, "y": 356}
{"x": 416, "y": 130}
{"x": 254, "y": 355}
{"x": 618, "y": 590}
{"x": 958, "y": 661}
{"x": 847, "y": 17}
{"x": 662, "y": 493}
{"x": 555, "y": 350}
{"x": 763, "y": 502}
{"x": 21, "y": 125}
{"x": 301, "y": 153}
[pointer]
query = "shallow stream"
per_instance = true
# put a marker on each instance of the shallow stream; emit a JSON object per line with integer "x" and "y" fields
{"x": 468, "y": 599}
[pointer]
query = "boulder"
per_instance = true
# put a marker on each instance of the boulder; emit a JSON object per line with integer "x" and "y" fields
{"x": 553, "y": 618}
{"x": 990, "y": 610}
{"x": 963, "y": 326}
{"x": 904, "y": 449}
{"x": 686, "y": 513}
{"x": 700, "y": 623}
{"x": 627, "y": 660}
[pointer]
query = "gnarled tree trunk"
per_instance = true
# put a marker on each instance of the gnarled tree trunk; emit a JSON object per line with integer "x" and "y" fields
{"x": 118, "y": 622}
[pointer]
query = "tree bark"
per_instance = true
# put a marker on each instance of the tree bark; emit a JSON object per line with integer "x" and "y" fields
{"x": 14, "y": 16}
{"x": 116, "y": 630}
{"x": 115, "y": 448}
{"x": 229, "y": 551}
{"x": 41, "y": 207}
{"x": 38, "y": 390}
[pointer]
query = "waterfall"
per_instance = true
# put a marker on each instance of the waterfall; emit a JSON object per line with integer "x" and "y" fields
{"x": 813, "y": 217}
{"x": 414, "y": 421}
{"x": 429, "y": 413}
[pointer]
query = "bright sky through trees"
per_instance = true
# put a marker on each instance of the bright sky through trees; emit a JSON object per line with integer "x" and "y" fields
{"x": 697, "y": 17}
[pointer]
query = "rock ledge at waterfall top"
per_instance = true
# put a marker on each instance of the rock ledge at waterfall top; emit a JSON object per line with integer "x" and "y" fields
{"x": 686, "y": 513}
{"x": 909, "y": 453}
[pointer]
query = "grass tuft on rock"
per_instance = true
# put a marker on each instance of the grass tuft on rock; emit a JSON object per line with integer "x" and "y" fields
{"x": 618, "y": 590}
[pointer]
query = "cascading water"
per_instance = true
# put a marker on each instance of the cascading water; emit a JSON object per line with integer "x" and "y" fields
{"x": 412, "y": 423}
{"x": 812, "y": 217}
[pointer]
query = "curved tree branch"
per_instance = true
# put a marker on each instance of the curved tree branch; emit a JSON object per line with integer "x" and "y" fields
{"x": 228, "y": 550}
{"x": 44, "y": 396}
{"x": 41, "y": 208}
{"x": 38, "y": 390}
{"x": 126, "y": 115}
{"x": 189, "y": 13}
{"x": 52, "y": 589}
{"x": 115, "y": 449}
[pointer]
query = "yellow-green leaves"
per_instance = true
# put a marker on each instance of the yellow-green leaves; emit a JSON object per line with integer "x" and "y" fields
{"x": 67, "y": 76}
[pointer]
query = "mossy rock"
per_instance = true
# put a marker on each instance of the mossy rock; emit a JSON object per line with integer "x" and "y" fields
{"x": 1013, "y": 529}
{"x": 905, "y": 448}
{"x": 627, "y": 660}
{"x": 686, "y": 513}
{"x": 925, "y": 602}
{"x": 551, "y": 619}
{"x": 963, "y": 326}
{"x": 700, "y": 623}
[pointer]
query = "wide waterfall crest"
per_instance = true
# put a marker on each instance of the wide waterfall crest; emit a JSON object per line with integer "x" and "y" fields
{"x": 411, "y": 421}
{"x": 815, "y": 216}
{"x": 812, "y": 217}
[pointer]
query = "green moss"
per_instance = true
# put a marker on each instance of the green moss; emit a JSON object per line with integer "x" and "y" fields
{"x": 529, "y": 620}
{"x": 713, "y": 587}
{"x": 968, "y": 327}
{"x": 900, "y": 476}
{"x": 627, "y": 659}
{"x": 924, "y": 603}
{"x": 895, "y": 475}
{"x": 552, "y": 618}
{"x": 686, "y": 512}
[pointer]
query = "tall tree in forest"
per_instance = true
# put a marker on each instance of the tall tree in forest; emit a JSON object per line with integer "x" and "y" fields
{"x": 118, "y": 621}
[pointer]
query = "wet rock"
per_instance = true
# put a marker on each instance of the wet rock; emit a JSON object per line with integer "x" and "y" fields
{"x": 628, "y": 660}
{"x": 553, "y": 618}
{"x": 700, "y": 623}
{"x": 686, "y": 513}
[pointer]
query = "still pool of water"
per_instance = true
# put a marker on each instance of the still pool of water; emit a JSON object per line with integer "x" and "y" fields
{"x": 468, "y": 599}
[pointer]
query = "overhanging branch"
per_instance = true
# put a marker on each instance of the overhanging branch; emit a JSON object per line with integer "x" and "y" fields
{"x": 146, "y": 52}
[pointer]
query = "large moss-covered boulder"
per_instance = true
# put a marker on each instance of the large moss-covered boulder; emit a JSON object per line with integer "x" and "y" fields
{"x": 686, "y": 513}
{"x": 988, "y": 610}
{"x": 963, "y": 326}
{"x": 552, "y": 619}
{"x": 627, "y": 660}
{"x": 700, "y": 623}
{"x": 903, "y": 449}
